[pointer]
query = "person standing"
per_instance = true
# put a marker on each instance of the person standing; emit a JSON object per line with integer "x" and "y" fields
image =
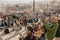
{"x": 39, "y": 19}
{"x": 51, "y": 27}
{"x": 15, "y": 26}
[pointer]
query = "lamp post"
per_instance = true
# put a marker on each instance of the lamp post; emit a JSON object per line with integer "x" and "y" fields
{"x": 33, "y": 6}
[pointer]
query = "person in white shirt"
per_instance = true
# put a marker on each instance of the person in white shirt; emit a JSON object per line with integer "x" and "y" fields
{"x": 39, "y": 19}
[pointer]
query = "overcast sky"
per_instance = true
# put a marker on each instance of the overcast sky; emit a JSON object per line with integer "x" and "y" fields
{"x": 14, "y": 1}
{"x": 18, "y": 1}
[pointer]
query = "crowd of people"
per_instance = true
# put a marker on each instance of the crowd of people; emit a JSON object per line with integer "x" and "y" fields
{"x": 35, "y": 31}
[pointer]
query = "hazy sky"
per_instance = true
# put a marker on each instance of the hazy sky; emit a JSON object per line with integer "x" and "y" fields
{"x": 18, "y": 1}
{"x": 14, "y": 1}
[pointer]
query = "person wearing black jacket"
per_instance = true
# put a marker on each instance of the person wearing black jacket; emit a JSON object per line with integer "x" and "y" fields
{"x": 30, "y": 35}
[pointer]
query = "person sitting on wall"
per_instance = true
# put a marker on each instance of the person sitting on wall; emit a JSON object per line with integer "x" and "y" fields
{"x": 6, "y": 31}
